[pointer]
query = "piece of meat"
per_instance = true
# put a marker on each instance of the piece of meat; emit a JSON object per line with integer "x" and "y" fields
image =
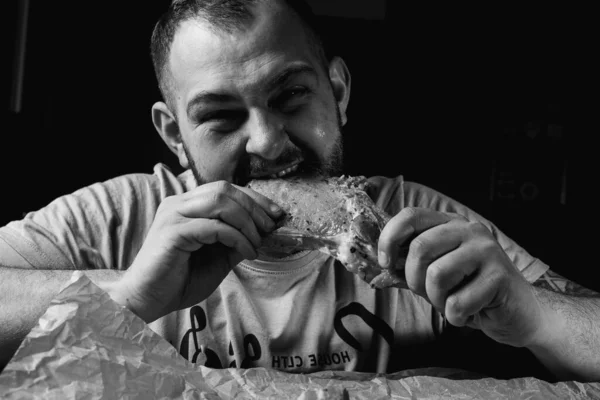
{"x": 334, "y": 215}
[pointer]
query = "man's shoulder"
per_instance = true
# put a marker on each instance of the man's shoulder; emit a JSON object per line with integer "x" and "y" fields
{"x": 161, "y": 183}
{"x": 387, "y": 192}
{"x": 124, "y": 197}
{"x": 394, "y": 193}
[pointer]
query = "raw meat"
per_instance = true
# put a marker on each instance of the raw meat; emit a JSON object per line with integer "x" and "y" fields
{"x": 334, "y": 215}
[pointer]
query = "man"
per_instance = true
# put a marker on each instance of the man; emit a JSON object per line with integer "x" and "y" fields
{"x": 249, "y": 93}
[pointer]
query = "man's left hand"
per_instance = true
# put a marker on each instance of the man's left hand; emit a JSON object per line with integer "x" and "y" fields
{"x": 460, "y": 268}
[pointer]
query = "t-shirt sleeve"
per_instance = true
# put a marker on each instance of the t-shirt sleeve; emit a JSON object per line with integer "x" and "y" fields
{"x": 101, "y": 226}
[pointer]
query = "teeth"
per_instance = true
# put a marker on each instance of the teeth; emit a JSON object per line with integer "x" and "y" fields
{"x": 284, "y": 172}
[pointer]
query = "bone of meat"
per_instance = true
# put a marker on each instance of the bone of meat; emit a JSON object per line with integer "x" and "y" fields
{"x": 334, "y": 215}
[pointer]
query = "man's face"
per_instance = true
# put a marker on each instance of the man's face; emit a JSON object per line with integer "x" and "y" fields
{"x": 254, "y": 103}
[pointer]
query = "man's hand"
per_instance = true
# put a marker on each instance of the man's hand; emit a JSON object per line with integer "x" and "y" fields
{"x": 460, "y": 268}
{"x": 194, "y": 241}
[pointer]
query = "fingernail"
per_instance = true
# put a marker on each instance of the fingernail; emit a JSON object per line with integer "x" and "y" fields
{"x": 383, "y": 259}
{"x": 275, "y": 208}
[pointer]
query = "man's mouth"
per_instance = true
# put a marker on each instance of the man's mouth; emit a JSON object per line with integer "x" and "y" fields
{"x": 278, "y": 173}
{"x": 285, "y": 172}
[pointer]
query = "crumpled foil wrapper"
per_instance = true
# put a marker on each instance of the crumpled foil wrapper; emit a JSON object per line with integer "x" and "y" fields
{"x": 88, "y": 347}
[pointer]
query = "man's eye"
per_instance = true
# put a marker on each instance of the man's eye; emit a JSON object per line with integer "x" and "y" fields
{"x": 292, "y": 98}
{"x": 223, "y": 120}
{"x": 295, "y": 91}
{"x": 221, "y": 115}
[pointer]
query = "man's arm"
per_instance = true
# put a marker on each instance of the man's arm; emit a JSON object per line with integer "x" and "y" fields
{"x": 194, "y": 241}
{"x": 571, "y": 345}
{"x": 559, "y": 284}
{"x": 24, "y": 297}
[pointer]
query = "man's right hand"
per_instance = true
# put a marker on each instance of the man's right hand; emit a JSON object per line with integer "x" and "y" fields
{"x": 194, "y": 241}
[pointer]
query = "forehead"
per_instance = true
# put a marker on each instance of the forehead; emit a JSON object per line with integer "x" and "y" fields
{"x": 204, "y": 58}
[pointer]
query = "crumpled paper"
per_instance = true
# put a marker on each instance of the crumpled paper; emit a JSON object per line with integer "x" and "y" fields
{"x": 88, "y": 347}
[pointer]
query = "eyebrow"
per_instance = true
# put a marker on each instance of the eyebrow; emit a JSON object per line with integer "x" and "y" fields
{"x": 280, "y": 79}
{"x": 207, "y": 97}
{"x": 290, "y": 72}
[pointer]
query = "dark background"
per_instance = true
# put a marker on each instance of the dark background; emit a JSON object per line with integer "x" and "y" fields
{"x": 491, "y": 106}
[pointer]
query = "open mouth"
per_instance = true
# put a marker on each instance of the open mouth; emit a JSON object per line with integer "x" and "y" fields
{"x": 285, "y": 172}
{"x": 281, "y": 173}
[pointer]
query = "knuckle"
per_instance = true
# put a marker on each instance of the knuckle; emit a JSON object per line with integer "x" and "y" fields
{"x": 214, "y": 231}
{"x": 478, "y": 228}
{"x": 222, "y": 186}
{"x": 497, "y": 278}
{"x": 459, "y": 217}
{"x": 254, "y": 208}
{"x": 412, "y": 283}
{"x": 217, "y": 198}
{"x": 418, "y": 248}
{"x": 216, "y": 225}
{"x": 416, "y": 286}
{"x": 435, "y": 274}
{"x": 487, "y": 247}
{"x": 455, "y": 309}
{"x": 455, "y": 320}
{"x": 408, "y": 213}
{"x": 453, "y": 304}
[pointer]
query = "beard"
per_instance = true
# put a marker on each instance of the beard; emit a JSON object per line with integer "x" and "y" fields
{"x": 313, "y": 164}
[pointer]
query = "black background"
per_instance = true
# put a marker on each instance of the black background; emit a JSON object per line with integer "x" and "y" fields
{"x": 491, "y": 106}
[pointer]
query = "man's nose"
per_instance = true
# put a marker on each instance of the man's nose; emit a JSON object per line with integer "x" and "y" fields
{"x": 267, "y": 136}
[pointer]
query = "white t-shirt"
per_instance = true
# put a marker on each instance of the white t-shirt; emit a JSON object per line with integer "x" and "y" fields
{"x": 303, "y": 314}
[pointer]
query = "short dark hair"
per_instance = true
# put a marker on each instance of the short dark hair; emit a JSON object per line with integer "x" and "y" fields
{"x": 226, "y": 15}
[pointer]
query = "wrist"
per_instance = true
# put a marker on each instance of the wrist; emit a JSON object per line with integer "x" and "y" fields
{"x": 548, "y": 323}
{"x": 121, "y": 293}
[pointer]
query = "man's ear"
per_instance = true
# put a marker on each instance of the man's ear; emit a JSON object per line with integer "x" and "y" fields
{"x": 339, "y": 76}
{"x": 168, "y": 129}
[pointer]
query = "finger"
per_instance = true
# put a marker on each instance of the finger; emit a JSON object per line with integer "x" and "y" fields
{"x": 463, "y": 306}
{"x": 260, "y": 207}
{"x": 217, "y": 205}
{"x": 256, "y": 211}
{"x": 450, "y": 273}
{"x": 198, "y": 232}
{"x": 268, "y": 205}
{"x": 409, "y": 222}
{"x": 427, "y": 248}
